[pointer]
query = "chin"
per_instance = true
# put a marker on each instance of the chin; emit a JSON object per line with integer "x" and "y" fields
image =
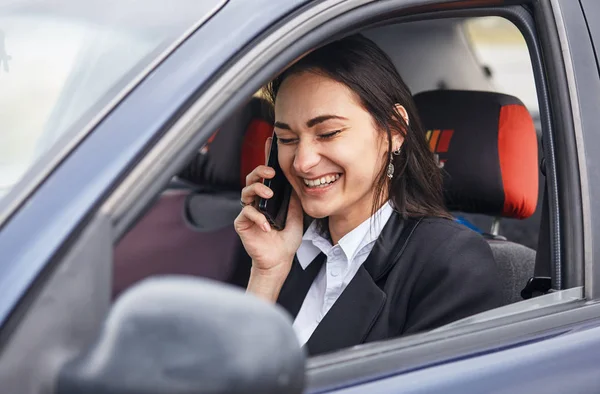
{"x": 317, "y": 211}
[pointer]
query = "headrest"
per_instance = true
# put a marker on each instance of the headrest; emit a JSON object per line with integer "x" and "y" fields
{"x": 235, "y": 149}
{"x": 486, "y": 145}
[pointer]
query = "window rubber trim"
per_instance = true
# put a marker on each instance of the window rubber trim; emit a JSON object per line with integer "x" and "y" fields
{"x": 570, "y": 168}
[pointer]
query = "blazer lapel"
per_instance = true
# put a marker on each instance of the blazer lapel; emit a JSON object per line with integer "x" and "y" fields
{"x": 388, "y": 246}
{"x": 298, "y": 282}
{"x": 351, "y": 317}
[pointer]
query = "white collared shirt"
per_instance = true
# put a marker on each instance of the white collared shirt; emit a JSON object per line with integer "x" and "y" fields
{"x": 343, "y": 261}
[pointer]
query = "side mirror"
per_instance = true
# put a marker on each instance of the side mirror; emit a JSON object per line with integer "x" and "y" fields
{"x": 176, "y": 335}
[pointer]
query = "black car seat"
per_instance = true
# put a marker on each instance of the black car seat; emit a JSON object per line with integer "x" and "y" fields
{"x": 486, "y": 145}
{"x": 189, "y": 229}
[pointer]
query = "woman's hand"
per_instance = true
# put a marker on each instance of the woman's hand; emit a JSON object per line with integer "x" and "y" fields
{"x": 272, "y": 251}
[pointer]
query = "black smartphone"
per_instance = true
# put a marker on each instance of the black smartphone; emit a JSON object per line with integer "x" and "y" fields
{"x": 275, "y": 208}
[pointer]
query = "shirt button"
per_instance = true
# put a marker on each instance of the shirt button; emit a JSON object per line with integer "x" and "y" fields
{"x": 337, "y": 252}
{"x": 335, "y": 272}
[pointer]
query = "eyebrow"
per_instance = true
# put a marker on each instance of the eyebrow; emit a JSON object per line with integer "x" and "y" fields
{"x": 312, "y": 122}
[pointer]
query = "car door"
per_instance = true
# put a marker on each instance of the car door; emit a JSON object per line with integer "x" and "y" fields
{"x": 191, "y": 93}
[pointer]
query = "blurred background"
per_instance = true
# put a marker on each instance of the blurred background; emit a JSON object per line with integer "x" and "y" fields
{"x": 500, "y": 46}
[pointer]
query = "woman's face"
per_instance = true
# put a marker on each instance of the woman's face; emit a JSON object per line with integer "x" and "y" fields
{"x": 329, "y": 148}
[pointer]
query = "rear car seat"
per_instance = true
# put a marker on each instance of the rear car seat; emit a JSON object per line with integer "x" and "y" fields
{"x": 486, "y": 144}
{"x": 189, "y": 229}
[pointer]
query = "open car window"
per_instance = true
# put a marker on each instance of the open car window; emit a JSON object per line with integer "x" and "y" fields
{"x": 449, "y": 64}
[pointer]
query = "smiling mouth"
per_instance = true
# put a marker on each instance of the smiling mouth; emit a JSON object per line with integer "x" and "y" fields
{"x": 321, "y": 182}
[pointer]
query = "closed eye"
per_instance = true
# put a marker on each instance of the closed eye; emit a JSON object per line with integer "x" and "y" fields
{"x": 330, "y": 135}
{"x": 286, "y": 141}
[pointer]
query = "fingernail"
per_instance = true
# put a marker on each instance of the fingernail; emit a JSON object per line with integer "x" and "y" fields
{"x": 266, "y": 227}
{"x": 269, "y": 192}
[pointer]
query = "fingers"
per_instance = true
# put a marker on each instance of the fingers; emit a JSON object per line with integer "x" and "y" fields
{"x": 258, "y": 174}
{"x": 249, "y": 217}
{"x": 268, "y": 148}
{"x": 249, "y": 193}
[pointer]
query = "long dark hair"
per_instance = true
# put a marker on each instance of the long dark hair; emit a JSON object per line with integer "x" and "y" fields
{"x": 416, "y": 187}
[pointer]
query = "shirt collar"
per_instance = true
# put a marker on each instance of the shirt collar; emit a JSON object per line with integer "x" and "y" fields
{"x": 352, "y": 243}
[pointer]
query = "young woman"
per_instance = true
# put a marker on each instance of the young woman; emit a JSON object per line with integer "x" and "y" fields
{"x": 383, "y": 257}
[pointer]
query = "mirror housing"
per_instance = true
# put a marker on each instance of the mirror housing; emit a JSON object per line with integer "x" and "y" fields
{"x": 188, "y": 335}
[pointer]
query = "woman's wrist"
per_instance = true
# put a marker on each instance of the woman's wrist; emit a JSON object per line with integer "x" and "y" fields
{"x": 267, "y": 283}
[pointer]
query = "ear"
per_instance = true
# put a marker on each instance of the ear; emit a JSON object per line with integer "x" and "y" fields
{"x": 402, "y": 111}
{"x": 397, "y": 139}
{"x": 268, "y": 143}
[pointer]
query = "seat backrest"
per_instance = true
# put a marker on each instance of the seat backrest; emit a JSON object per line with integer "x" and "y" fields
{"x": 486, "y": 145}
{"x": 189, "y": 230}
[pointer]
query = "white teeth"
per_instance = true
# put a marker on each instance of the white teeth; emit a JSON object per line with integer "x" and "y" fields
{"x": 321, "y": 181}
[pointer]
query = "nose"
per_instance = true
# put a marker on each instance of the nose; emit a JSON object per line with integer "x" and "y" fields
{"x": 306, "y": 158}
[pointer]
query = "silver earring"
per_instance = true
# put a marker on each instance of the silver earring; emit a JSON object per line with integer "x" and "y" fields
{"x": 390, "y": 169}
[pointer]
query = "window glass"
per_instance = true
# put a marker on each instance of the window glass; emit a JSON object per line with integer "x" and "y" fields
{"x": 500, "y": 46}
{"x": 62, "y": 61}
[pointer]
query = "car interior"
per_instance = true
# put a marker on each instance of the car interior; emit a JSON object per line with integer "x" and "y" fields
{"x": 486, "y": 143}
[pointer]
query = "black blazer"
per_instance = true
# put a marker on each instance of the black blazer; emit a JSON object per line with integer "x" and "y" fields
{"x": 421, "y": 274}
